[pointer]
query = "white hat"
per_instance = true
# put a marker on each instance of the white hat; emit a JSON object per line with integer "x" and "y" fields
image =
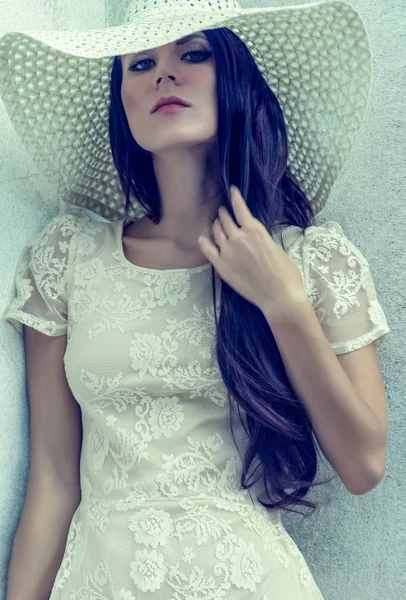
{"x": 55, "y": 86}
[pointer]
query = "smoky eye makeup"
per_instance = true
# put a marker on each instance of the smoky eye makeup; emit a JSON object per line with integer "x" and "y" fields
{"x": 131, "y": 59}
{"x": 202, "y": 52}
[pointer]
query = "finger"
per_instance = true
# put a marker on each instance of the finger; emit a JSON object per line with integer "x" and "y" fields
{"x": 241, "y": 211}
{"x": 218, "y": 233}
{"x": 227, "y": 222}
{"x": 209, "y": 249}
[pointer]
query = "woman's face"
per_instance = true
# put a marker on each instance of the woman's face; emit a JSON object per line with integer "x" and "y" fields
{"x": 185, "y": 69}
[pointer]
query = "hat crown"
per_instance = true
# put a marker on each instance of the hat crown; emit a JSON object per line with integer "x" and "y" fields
{"x": 149, "y": 8}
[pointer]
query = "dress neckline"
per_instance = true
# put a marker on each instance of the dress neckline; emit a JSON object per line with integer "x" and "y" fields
{"x": 119, "y": 243}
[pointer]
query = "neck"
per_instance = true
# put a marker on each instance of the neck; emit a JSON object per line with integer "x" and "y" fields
{"x": 188, "y": 183}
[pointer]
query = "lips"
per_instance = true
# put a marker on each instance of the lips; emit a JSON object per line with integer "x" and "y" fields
{"x": 169, "y": 100}
{"x": 172, "y": 105}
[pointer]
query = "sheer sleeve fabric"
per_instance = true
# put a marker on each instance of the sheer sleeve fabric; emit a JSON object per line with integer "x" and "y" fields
{"x": 340, "y": 286}
{"x": 41, "y": 277}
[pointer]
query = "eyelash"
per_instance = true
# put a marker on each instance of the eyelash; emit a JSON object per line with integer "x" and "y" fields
{"x": 206, "y": 54}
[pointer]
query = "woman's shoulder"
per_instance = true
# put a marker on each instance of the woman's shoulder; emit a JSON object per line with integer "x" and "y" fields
{"x": 296, "y": 238}
{"x": 63, "y": 227}
{"x": 75, "y": 233}
{"x": 90, "y": 230}
{"x": 81, "y": 218}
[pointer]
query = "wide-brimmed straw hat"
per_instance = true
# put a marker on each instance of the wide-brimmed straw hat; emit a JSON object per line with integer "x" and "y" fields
{"x": 55, "y": 86}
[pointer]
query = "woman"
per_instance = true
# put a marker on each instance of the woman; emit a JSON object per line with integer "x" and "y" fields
{"x": 202, "y": 338}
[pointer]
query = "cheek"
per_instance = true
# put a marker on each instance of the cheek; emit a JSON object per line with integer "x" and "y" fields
{"x": 203, "y": 85}
{"x": 133, "y": 109}
{"x": 213, "y": 96}
{"x": 128, "y": 98}
{"x": 207, "y": 103}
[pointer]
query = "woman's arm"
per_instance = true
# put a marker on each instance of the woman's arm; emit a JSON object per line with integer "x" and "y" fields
{"x": 53, "y": 492}
{"x": 350, "y": 433}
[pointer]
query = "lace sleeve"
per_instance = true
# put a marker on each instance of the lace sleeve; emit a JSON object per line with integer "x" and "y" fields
{"x": 40, "y": 283}
{"x": 340, "y": 286}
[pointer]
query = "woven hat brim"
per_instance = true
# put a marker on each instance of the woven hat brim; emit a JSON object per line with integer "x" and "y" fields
{"x": 315, "y": 57}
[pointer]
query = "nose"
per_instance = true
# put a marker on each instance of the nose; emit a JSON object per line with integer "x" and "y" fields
{"x": 165, "y": 66}
{"x": 172, "y": 77}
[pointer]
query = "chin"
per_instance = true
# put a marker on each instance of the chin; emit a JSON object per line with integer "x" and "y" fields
{"x": 176, "y": 142}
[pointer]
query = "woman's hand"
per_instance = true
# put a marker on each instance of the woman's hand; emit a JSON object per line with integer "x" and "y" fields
{"x": 251, "y": 262}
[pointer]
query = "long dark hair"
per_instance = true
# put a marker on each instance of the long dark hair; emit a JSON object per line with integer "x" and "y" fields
{"x": 253, "y": 152}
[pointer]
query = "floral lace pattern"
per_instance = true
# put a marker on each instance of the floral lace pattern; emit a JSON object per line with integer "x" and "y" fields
{"x": 339, "y": 284}
{"x": 162, "y": 514}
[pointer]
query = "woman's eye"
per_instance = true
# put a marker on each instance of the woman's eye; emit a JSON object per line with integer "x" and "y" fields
{"x": 132, "y": 67}
{"x": 204, "y": 54}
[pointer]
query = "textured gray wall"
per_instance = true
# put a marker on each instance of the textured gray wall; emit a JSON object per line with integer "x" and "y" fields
{"x": 355, "y": 545}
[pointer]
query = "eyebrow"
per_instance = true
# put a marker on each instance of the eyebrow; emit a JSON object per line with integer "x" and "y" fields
{"x": 180, "y": 42}
{"x": 190, "y": 37}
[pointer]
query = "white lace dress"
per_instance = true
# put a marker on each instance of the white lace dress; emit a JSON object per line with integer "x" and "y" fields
{"x": 162, "y": 516}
